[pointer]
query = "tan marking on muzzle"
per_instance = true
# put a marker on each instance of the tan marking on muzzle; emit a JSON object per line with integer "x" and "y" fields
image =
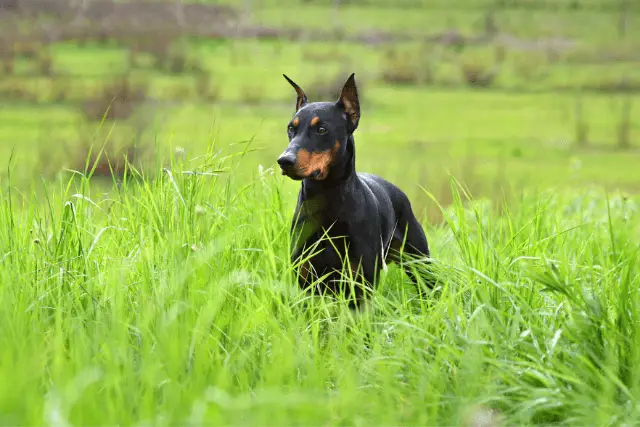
{"x": 307, "y": 162}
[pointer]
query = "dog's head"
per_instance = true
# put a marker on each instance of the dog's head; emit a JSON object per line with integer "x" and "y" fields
{"x": 318, "y": 133}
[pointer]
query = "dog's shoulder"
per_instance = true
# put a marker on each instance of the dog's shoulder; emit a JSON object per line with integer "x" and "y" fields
{"x": 377, "y": 183}
{"x": 381, "y": 186}
{"x": 371, "y": 182}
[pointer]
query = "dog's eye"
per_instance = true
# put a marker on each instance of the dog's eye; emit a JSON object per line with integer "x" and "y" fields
{"x": 289, "y": 129}
{"x": 322, "y": 130}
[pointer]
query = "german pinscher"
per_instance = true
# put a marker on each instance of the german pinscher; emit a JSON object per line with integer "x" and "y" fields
{"x": 345, "y": 214}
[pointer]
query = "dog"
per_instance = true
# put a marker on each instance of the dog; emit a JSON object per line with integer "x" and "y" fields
{"x": 350, "y": 217}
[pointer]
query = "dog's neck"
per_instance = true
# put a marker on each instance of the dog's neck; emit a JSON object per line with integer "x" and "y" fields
{"x": 342, "y": 171}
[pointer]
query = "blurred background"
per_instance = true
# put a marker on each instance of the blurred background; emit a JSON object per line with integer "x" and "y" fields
{"x": 504, "y": 94}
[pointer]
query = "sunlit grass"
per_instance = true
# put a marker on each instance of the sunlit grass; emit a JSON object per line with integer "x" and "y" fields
{"x": 170, "y": 299}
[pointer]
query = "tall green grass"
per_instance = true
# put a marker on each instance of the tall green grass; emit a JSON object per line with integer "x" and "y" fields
{"x": 170, "y": 300}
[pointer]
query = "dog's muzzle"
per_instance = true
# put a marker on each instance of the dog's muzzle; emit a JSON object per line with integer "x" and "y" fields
{"x": 287, "y": 162}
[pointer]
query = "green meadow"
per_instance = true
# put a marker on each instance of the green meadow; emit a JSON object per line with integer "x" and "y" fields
{"x": 166, "y": 296}
{"x": 171, "y": 301}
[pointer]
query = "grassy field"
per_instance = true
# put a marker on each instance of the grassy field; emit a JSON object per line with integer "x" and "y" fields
{"x": 523, "y": 131}
{"x": 171, "y": 301}
{"x": 413, "y": 135}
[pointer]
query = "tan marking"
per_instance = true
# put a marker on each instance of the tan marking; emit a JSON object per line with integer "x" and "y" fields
{"x": 354, "y": 267}
{"x": 308, "y": 162}
{"x": 305, "y": 269}
{"x": 314, "y": 121}
{"x": 296, "y": 122}
{"x": 357, "y": 275}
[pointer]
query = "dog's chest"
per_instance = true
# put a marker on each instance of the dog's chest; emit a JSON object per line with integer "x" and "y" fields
{"x": 330, "y": 245}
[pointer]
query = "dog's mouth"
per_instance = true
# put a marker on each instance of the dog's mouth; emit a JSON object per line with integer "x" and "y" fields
{"x": 293, "y": 174}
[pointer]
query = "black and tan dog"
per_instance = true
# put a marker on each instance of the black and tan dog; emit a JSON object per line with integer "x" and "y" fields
{"x": 349, "y": 216}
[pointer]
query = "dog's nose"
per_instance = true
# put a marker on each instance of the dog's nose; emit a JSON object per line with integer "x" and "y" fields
{"x": 287, "y": 160}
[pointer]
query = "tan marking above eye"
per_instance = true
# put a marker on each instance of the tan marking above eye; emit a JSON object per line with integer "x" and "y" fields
{"x": 296, "y": 122}
{"x": 314, "y": 121}
{"x": 307, "y": 162}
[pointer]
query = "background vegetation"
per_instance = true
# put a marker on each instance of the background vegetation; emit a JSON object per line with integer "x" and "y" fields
{"x": 163, "y": 294}
{"x": 503, "y": 94}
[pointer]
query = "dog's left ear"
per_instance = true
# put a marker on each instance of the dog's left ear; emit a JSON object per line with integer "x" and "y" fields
{"x": 349, "y": 103}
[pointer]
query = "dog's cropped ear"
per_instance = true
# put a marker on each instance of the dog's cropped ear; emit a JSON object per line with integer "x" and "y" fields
{"x": 349, "y": 103}
{"x": 301, "y": 99}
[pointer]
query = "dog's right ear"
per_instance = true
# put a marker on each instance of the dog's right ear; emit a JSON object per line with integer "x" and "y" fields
{"x": 301, "y": 99}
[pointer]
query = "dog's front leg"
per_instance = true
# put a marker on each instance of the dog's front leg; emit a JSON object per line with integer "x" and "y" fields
{"x": 364, "y": 265}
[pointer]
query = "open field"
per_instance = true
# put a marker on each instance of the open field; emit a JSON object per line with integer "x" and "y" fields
{"x": 172, "y": 302}
{"x": 411, "y": 134}
{"x": 510, "y": 97}
{"x": 169, "y": 298}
